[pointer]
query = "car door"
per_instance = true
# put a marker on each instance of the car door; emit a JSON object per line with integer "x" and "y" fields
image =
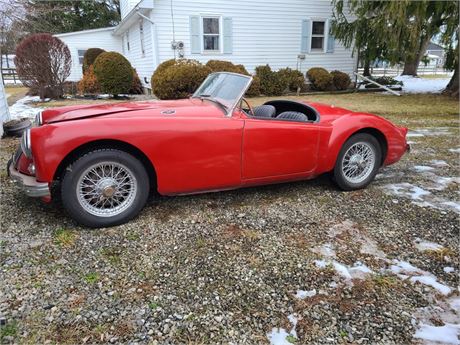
{"x": 274, "y": 148}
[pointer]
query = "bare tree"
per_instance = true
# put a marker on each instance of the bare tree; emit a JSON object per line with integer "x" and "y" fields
{"x": 43, "y": 63}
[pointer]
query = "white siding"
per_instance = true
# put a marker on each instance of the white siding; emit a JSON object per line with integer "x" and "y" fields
{"x": 82, "y": 40}
{"x": 264, "y": 32}
{"x": 143, "y": 63}
{"x": 126, "y": 6}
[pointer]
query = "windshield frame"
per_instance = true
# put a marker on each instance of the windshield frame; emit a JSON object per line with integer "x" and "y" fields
{"x": 228, "y": 111}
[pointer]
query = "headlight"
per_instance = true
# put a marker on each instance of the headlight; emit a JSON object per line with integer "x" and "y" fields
{"x": 26, "y": 144}
{"x": 38, "y": 119}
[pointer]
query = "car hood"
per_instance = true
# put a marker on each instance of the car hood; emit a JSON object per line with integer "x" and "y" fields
{"x": 184, "y": 107}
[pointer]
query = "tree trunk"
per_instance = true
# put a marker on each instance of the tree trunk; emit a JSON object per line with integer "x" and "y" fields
{"x": 411, "y": 64}
{"x": 452, "y": 87}
{"x": 367, "y": 68}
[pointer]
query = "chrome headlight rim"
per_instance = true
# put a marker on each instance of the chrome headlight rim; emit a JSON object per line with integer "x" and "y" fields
{"x": 26, "y": 143}
{"x": 38, "y": 119}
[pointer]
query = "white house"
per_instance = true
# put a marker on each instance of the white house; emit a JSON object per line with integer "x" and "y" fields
{"x": 293, "y": 33}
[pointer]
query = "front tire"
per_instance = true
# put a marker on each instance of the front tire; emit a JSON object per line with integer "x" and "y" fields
{"x": 358, "y": 162}
{"x": 105, "y": 188}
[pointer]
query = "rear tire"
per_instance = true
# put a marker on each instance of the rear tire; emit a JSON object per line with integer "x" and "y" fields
{"x": 104, "y": 188}
{"x": 358, "y": 162}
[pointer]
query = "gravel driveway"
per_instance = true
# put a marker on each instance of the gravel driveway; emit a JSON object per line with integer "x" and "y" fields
{"x": 298, "y": 263}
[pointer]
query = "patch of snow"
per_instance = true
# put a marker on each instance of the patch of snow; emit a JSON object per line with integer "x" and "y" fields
{"x": 320, "y": 263}
{"x": 341, "y": 270}
{"x": 432, "y": 281}
{"x": 439, "y": 163}
{"x": 326, "y": 250}
{"x": 421, "y": 85}
{"x": 426, "y": 245}
{"x": 408, "y": 190}
{"x": 21, "y": 109}
{"x": 457, "y": 150}
{"x": 278, "y": 336}
{"x": 449, "y": 269}
{"x": 414, "y": 134}
{"x": 454, "y": 303}
{"x": 422, "y": 168}
{"x": 447, "y": 334}
{"x": 403, "y": 266}
{"x": 333, "y": 285}
{"x": 302, "y": 294}
{"x": 455, "y": 206}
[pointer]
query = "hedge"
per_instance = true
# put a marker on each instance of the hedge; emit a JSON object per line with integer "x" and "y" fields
{"x": 114, "y": 73}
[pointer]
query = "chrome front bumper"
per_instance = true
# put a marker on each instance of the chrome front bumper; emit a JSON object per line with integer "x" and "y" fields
{"x": 27, "y": 183}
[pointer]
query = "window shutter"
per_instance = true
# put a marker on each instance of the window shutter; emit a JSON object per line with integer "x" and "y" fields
{"x": 228, "y": 35}
{"x": 305, "y": 43}
{"x": 330, "y": 38}
{"x": 195, "y": 43}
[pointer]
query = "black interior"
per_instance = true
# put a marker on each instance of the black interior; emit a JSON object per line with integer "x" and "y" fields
{"x": 283, "y": 106}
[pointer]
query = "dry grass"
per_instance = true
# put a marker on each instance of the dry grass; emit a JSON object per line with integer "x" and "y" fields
{"x": 15, "y": 92}
{"x": 68, "y": 102}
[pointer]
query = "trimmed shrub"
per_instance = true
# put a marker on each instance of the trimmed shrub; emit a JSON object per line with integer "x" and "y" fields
{"x": 293, "y": 78}
{"x": 175, "y": 79}
{"x": 271, "y": 83}
{"x": 320, "y": 78}
{"x": 227, "y": 66}
{"x": 136, "y": 86}
{"x": 43, "y": 63}
{"x": 90, "y": 56}
{"x": 89, "y": 83}
{"x": 114, "y": 73}
{"x": 340, "y": 80}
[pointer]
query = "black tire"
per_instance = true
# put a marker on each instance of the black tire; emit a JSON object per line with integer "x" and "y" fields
{"x": 340, "y": 179}
{"x": 75, "y": 171}
{"x": 16, "y": 127}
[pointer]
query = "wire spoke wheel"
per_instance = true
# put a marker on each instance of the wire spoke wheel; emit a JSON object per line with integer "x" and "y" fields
{"x": 358, "y": 162}
{"x": 106, "y": 189}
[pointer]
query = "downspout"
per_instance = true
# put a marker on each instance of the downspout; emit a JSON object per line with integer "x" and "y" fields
{"x": 153, "y": 34}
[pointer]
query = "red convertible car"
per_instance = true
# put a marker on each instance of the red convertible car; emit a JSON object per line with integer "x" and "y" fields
{"x": 105, "y": 160}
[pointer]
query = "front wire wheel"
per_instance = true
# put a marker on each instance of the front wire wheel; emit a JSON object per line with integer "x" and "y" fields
{"x": 358, "y": 162}
{"x": 104, "y": 188}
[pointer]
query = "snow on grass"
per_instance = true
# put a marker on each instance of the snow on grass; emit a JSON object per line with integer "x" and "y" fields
{"x": 421, "y": 85}
{"x": 279, "y": 336}
{"x": 457, "y": 150}
{"x": 426, "y": 245}
{"x": 320, "y": 263}
{"x": 454, "y": 303}
{"x": 22, "y": 109}
{"x": 414, "y": 135}
{"x": 302, "y": 294}
{"x": 407, "y": 190}
{"x": 447, "y": 334}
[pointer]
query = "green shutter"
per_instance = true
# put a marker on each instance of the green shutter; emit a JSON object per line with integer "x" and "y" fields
{"x": 330, "y": 38}
{"x": 305, "y": 43}
{"x": 195, "y": 43}
{"x": 228, "y": 35}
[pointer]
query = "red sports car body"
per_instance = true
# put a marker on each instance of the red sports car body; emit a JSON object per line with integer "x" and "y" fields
{"x": 197, "y": 145}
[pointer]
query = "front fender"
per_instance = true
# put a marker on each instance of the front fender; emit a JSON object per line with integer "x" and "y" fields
{"x": 345, "y": 126}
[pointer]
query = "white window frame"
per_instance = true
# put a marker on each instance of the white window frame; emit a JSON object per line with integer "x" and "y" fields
{"x": 141, "y": 34}
{"x": 202, "y": 34}
{"x": 83, "y": 56}
{"x": 324, "y": 35}
{"x": 127, "y": 41}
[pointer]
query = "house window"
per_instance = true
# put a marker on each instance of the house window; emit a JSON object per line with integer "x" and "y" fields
{"x": 317, "y": 35}
{"x": 81, "y": 55}
{"x": 211, "y": 34}
{"x": 127, "y": 40}
{"x": 141, "y": 31}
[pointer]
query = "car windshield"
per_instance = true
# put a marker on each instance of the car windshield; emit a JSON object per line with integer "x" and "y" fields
{"x": 223, "y": 88}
